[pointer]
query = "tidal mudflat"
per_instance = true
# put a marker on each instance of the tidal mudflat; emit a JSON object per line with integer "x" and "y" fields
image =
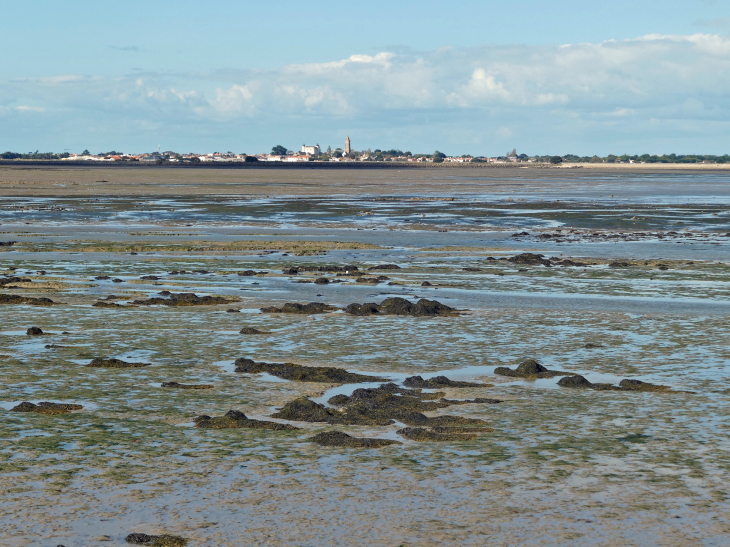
{"x": 165, "y": 373}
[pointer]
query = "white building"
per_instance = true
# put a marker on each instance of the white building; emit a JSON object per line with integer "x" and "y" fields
{"x": 311, "y": 150}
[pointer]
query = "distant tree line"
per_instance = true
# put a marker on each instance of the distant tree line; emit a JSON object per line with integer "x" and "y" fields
{"x": 648, "y": 158}
{"x": 32, "y": 156}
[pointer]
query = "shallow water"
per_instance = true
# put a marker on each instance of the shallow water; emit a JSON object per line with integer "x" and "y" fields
{"x": 563, "y": 467}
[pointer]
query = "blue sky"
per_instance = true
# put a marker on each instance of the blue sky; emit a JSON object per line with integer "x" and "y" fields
{"x": 462, "y": 77}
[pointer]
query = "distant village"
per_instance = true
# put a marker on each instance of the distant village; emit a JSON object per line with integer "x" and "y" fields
{"x": 307, "y": 153}
{"x": 314, "y": 153}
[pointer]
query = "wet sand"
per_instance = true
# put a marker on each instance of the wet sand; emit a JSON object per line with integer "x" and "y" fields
{"x": 642, "y": 295}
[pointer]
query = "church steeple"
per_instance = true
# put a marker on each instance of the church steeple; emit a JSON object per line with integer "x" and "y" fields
{"x": 347, "y": 145}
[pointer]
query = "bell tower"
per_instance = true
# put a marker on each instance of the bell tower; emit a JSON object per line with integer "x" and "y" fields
{"x": 347, "y": 145}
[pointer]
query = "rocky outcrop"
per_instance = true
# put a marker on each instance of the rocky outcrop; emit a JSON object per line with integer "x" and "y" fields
{"x": 233, "y": 419}
{"x": 46, "y": 408}
{"x": 401, "y": 306}
{"x": 301, "y": 309}
{"x": 579, "y": 382}
{"x": 530, "y": 369}
{"x": 185, "y": 299}
{"x": 437, "y": 382}
{"x": 164, "y": 540}
{"x": 340, "y": 439}
{"x": 530, "y": 259}
{"x": 175, "y": 385}
{"x": 299, "y": 373}
{"x": 17, "y": 299}
{"x": 114, "y": 363}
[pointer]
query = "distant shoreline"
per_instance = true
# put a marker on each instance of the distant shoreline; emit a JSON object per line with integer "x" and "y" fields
{"x": 368, "y": 165}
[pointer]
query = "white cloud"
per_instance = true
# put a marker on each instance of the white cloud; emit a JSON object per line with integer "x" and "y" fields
{"x": 618, "y": 83}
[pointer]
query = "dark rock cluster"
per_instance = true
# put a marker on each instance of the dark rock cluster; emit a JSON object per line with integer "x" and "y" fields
{"x": 401, "y": 306}
{"x": 436, "y": 382}
{"x": 530, "y": 369}
{"x": 299, "y": 373}
{"x": 580, "y": 382}
{"x": 340, "y": 439}
{"x": 233, "y": 419}
{"x": 46, "y": 408}
{"x": 186, "y": 386}
{"x": 114, "y": 363}
{"x": 184, "y": 299}
{"x": 302, "y": 309}
{"x": 378, "y": 406}
{"x": 13, "y": 279}
{"x": 164, "y": 540}
{"x": 17, "y": 299}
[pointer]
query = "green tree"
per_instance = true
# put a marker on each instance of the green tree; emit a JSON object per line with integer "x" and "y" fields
{"x": 85, "y": 153}
{"x": 438, "y": 157}
{"x": 278, "y": 150}
{"x": 556, "y": 160}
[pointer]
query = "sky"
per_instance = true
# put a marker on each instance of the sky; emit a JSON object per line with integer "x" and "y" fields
{"x": 462, "y": 77}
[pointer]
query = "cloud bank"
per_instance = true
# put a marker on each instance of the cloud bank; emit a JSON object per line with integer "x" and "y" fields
{"x": 654, "y": 89}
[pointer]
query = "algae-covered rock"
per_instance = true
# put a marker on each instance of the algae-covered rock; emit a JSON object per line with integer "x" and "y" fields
{"x": 299, "y": 373}
{"x": 338, "y": 438}
{"x": 638, "y": 385}
{"x": 114, "y": 363}
{"x": 369, "y": 308}
{"x": 578, "y": 381}
{"x": 385, "y": 267}
{"x": 185, "y": 299}
{"x": 13, "y": 279}
{"x": 304, "y": 410}
{"x": 251, "y": 330}
{"x": 376, "y": 406}
{"x": 17, "y": 299}
{"x": 437, "y": 382}
{"x": 421, "y": 434}
{"x": 401, "y": 306}
{"x": 233, "y": 419}
{"x": 164, "y": 540}
{"x": 46, "y": 408}
{"x": 106, "y": 304}
{"x": 575, "y": 381}
{"x": 186, "y": 386}
{"x": 302, "y": 309}
{"x": 530, "y": 259}
{"x": 529, "y": 368}
{"x": 34, "y": 331}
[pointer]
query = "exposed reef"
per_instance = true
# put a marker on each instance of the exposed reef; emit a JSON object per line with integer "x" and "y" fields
{"x": 378, "y": 406}
{"x": 299, "y": 373}
{"x": 46, "y": 408}
{"x": 17, "y": 299}
{"x": 401, "y": 306}
{"x": 233, "y": 419}
{"x": 114, "y": 363}
{"x": 186, "y": 386}
{"x": 302, "y": 309}
{"x": 34, "y": 331}
{"x": 13, "y": 279}
{"x": 580, "y": 382}
{"x": 164, "y": 540}
{"x": 185, "y": 299}
{"x": 340, "y": 439}
{"x": 530, "y": 259}
{"x": 438, "y": 382}
{"x": 530, "y": 369}
{"x": 422, "y": 434}
{"x": 251, "y": 330}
